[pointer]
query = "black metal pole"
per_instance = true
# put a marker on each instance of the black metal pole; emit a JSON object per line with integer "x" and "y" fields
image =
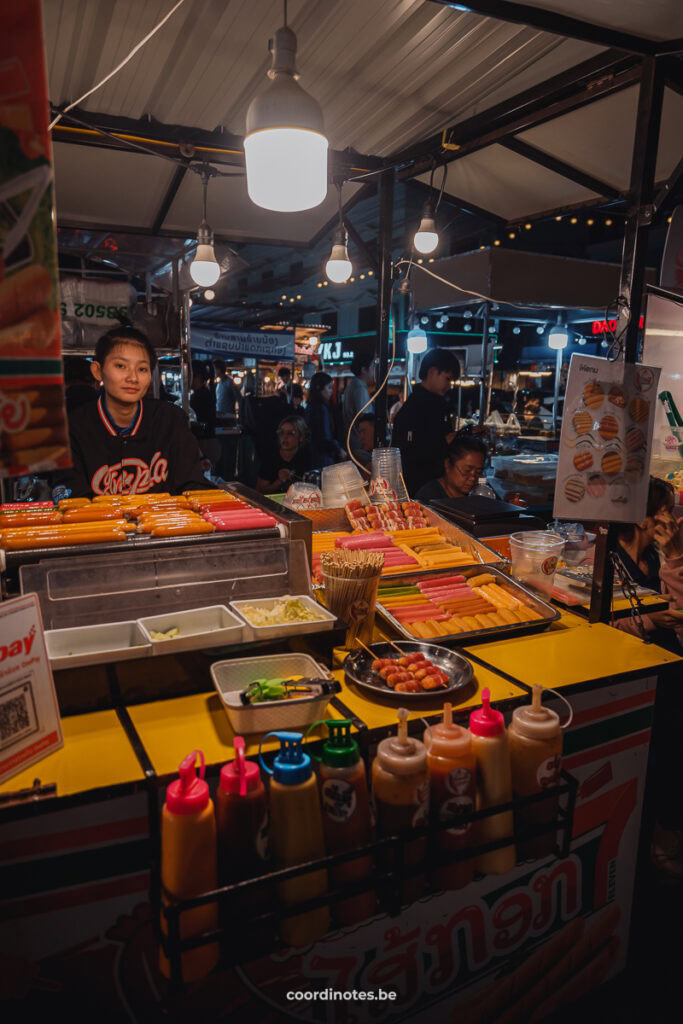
{"x": 484, "y": 361}
{"x": 384, "y": 288}
{"x": 632, "y": 283}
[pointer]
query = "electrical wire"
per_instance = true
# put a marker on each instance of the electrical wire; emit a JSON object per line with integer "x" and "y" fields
{"x": 465, "y": 291}
{"x": 118, "y": 66}
{"x": 371, "y": 400}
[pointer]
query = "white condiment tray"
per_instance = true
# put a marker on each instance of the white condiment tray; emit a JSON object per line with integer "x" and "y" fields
{"x": 231, "y": 677}
{"x": 94, "y": 645}
{"x": 324, "y": 621}
{"x": 197, "y": 628}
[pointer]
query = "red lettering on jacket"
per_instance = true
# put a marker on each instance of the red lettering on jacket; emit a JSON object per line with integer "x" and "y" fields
{"x": 130, "y": 476}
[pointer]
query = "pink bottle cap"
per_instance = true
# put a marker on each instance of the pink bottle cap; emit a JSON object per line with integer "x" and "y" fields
{"x": 188, "y": 794}
{"x": 487, "y": 721}
{"x": 240, "y": 776}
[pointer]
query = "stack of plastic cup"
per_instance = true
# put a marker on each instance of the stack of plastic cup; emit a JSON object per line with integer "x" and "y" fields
{"x": 534, "y": 559}
{"x": 386, "y": 483}
{"x": 340, "y": 484}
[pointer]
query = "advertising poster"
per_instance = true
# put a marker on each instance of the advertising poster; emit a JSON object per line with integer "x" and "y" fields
{"x": 33, "y": 429}
{"x": 606, "y": 440}
{"x": 29, "y": 715}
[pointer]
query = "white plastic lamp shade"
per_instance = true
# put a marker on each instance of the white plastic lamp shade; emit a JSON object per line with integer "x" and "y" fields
{"x": 558, "y": 337}
{"x": 286, "y": 169}
{"x": 204, "y": 269}
{"x": 209, "y": 295}
{"x": 417, "y": 341}
{"x": 338, "y": 268}
{"x": 426, "y": 237}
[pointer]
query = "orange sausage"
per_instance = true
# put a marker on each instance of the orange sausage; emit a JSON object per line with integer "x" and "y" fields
{"x": 92, "y": 514}
{"x": 171, "y": 530}
{"x": 59, "y": 539}
{"x": 40, "y": 518}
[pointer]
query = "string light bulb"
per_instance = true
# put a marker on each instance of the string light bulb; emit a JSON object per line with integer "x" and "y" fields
{"x": 417, "y": 341}
{"x": 285, "y": 145}
{"x": 204, "y": 269}
{"x": 338, "y": 268}
{"x": 426, "y": 237}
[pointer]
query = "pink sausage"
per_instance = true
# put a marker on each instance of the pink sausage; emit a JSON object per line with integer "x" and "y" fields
{"x": 364, "y": 543}
{"x": 421, "y": 616}
{"x": 444, "y": 581}
{"x": 245, "y": 524}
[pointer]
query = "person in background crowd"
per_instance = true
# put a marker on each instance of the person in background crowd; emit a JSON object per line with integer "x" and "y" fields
{"x": 356, "y": 397}
{"x": 366, "y": 432}
{"x": 532, "y": 421}
{"x": 422, "y": 428}
{"x": 319, "y": 417}
{"x": 297, "y": 397}
{"x": 228, "y": 396}
{"x": 79, "y": 383}
{"x": 463, "y": 465}
{"x": 201, "y": 400}
{"x": 292, "y": 459}
{"x": 284, "y": 383}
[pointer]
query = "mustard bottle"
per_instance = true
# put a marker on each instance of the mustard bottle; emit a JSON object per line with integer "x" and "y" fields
{"x": 494, "y": 784}
{"x": 189, "y": 864}
{"x": 535, "y": 740}
{"x": 296, "y": 834}
{"x": 452, "y": 782}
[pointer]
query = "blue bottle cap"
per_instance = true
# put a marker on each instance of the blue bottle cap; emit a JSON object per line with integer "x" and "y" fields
{"x": 290, "y": 766}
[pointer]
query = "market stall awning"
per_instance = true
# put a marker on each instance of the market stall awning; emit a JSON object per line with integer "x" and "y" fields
{"x": 388, "y": 74}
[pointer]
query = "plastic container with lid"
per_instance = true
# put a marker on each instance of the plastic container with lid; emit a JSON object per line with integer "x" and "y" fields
{"x": 188, "y": 863}
{"x": 452, "y": 779}
{"x": 346, "y": 815}
{"x": 296, "y": 834}
{"x": 400, "y": 789}
{"x": 494, "y": 784}
{"x": 535, "y": 739}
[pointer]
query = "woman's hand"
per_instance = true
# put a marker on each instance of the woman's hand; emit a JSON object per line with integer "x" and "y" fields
{"x": 668, "y": 535}
{"x": 666, "y": 620}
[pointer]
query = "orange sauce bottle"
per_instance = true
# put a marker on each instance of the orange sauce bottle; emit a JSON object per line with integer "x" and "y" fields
{"x": 494, "y": 785}
{"x": 535, "y": 757}
{"x": 188, "y": 864}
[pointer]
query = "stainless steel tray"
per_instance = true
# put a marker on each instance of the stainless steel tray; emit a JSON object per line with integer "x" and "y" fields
{"x": 547, "y": 612}
{"x": 358, "y": 670}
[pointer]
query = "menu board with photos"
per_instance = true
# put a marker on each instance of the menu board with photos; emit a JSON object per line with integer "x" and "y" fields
{"x": 606, "y": 439}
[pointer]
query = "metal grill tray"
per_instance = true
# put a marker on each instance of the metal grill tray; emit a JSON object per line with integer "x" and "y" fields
{"x": 547, "y": 612}
{"x": 358, "y": 670}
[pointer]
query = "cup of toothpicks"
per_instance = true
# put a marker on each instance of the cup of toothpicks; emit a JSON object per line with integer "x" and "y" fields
{"x": 351, "y": 579}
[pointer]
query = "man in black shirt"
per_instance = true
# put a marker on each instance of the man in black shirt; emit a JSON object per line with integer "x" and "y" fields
{"x": 422, "y": 428}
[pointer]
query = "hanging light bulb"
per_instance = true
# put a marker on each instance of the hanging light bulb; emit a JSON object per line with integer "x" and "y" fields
{"x": 417, "y": 341}
{"x": 426, "y": 237}
{"x": 209, "y": 295}
{"x": 424, "y": 320}
{"x": 338, "y": 268}
{"x": 516, "y": 330}
{"x": 558, "y": 336}
{"x": 467, "y": 327}
{"x": 204, "y": 268}
{"x": 285, "y": 146}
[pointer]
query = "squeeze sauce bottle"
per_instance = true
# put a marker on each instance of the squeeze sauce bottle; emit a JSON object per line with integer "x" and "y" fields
{"x": 241, "y": 819}
{"x": 346, "y": 815}
{"x": 296, "y": 832}
{"x": 452, "y": 777}
{"x": 494, "y": 784}
{"x": 188, "y": 863}
{"x": 400, "y": 789}
{"x": 535, "y": 740}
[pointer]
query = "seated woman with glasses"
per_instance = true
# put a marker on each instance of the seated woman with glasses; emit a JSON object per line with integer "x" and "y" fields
{"x": 291, "y": 460}
{"x": 463, "y": 465}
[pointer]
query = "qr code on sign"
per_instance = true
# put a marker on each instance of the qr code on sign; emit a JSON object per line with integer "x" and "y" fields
{"x": 18, "y": 717}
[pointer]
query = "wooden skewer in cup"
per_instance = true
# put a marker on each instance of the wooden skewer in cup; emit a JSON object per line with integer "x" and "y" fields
{"x": 404, "y": 486}
{"x": 343, "y": 483}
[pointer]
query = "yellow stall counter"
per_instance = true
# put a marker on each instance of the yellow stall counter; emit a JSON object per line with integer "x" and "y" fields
{"x": 573, "y": 656}
{"x": 96, "y": 754}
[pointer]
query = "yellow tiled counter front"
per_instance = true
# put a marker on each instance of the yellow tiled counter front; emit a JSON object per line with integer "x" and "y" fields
{"x": 96, "y": 754}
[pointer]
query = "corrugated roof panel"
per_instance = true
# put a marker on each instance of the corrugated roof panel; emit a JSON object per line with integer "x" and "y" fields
{"x": 509, "y": 185}
{"x": 107, "y": 186}
{"x": 650, "y": 19}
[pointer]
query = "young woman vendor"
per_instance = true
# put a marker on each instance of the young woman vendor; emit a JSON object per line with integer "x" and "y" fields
{"x": 462, "y": 467}
{"x": 125, "y": 442}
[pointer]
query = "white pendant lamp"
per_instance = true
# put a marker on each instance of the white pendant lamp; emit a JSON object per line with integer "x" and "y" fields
{"x": 285, "y": 145}
{"x": 338, "y": 268}
{"x": 417, "y": 341}
{"x": 426, "y": 237}
{"x": 204, "y": 268}
{"x": 558, "y": 336}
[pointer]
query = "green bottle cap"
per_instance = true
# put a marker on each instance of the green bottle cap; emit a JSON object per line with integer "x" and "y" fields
{"x": 340, "y": 750}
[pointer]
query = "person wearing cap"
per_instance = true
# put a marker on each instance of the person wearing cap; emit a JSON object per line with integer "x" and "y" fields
{"x": 422, "y": 428}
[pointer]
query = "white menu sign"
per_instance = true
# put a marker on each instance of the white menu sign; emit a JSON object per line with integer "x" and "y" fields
{"x": 30, "y": 727}
{"x": 606, "y": 440}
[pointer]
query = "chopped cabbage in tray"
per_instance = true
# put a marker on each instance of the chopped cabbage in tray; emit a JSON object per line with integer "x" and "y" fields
{"x": 289, "y": 609}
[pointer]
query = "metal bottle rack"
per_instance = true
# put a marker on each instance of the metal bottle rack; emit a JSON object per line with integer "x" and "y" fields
{"x": 258, "y": 933}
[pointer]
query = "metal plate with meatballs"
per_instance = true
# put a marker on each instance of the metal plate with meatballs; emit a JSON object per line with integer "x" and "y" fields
{"x": 423, "y": 670}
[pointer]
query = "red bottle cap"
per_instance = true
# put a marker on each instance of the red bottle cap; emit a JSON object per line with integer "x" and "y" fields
{"x": 188, "y": 794}
{"x": 486, "y": 722}
{"x": 240, "y": 776}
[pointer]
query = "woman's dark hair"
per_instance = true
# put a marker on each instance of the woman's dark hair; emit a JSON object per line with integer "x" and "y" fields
{"x": 299, "y": 423}
{"x": 361, "y": 361}
{"x": 659, "y": 493}
{"x": 367, "y": 417}
{"x": 201, "y": 369}
{"x": 297, "y": 391}
{"x": 441, "y": 359}
{"x": 124, "y": 335}
{"x": 460, "y": 446}
{"x": 319, "y": 382}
